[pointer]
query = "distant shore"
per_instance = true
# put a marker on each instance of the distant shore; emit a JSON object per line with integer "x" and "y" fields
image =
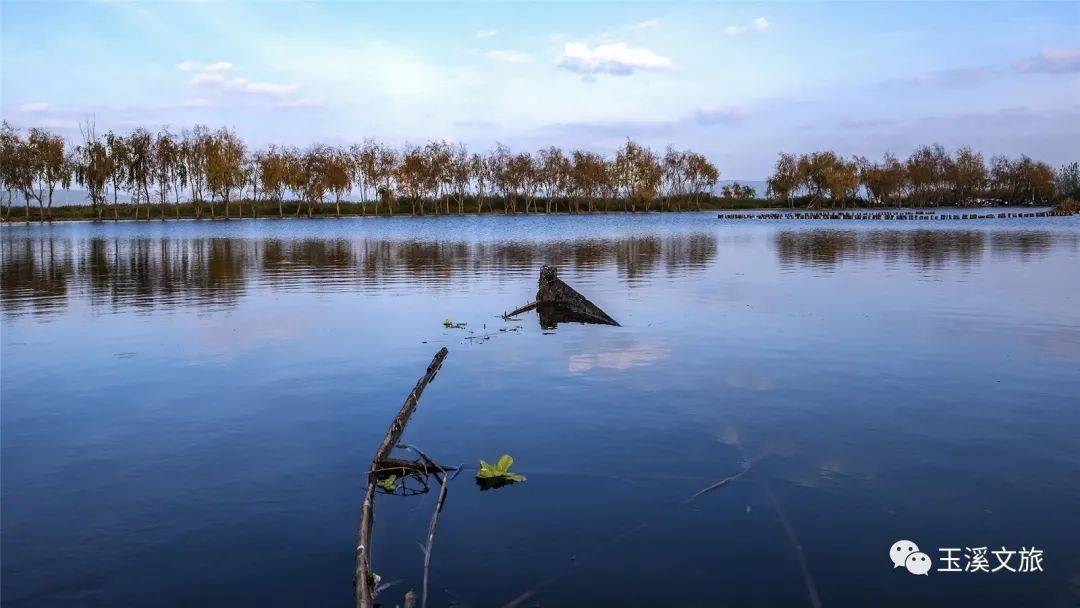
{"x": 298, "y": 210}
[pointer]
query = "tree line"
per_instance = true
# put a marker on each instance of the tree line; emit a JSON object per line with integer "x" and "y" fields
{"x": 200, "y": 172}
{"x": 929, "y": 177}
{"x": 206, "y": 171}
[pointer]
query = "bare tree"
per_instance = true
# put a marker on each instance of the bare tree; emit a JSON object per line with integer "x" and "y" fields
{"x": 93, "y": 166}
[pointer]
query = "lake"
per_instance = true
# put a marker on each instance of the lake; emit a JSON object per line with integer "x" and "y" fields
{"x": 189, "y": 409}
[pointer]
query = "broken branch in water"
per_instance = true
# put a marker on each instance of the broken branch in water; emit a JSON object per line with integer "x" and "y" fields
{"x": 364, "y": 579}
{"x": 517, "y": 311}
{"x": 401, "y": 468}
{"x": 442, "y": 476}
{"x": 431, "y": 536}
{"x": 723, "y": 482}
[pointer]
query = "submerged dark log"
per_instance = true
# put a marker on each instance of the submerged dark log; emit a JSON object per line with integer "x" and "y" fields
{"x": 556, "y": 302}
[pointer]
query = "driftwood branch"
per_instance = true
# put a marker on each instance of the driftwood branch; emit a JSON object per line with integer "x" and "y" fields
{"x": 401, "y": 467}
{"x": 441, "y": 474}
{"x": 723, "y": 482}
{"x": 518, "y": 311}
{"x": 364, "y": 579}
{"x": 431, "y": 536}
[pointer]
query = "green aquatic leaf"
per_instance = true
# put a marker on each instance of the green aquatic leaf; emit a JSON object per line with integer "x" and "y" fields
{"x": 504, "y": 463}
{"x": 499, "y": 471}
{"x": 389, "y": 484}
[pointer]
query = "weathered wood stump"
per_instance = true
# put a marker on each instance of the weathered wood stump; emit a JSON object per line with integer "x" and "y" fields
{"x": 564, "y": 304}
{"x": 556, "y": 302}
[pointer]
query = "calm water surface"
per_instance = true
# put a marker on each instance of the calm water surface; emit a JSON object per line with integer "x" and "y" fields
{"x": 188, "y": 409}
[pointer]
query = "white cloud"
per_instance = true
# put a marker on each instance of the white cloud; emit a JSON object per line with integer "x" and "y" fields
{"x": 759, "y": 24}
{"x": 648, "y": 24}
{"x": 39, "y": 106}
{"x": 615, "y": 58}
{"x": 208, "y": 78}
{"x": 508, "y": 56}
{"x": 243, "y": 85}
{"x": 267, "y": 88}
{"x": 195, "y": 66}
{"x": 486, "y": 33}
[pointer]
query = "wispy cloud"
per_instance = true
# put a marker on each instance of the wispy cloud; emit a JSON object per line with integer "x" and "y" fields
{"x": 758, "y": 24}
{"x": 1052, "y": 61}
{"x": 207, "y": 78}
{"x": 507, "y": 56}
{"x": 264, "y": 88}
{"x": 486, "y": 33}
{"x": 195, "y": 66}
{"x": 35, "y": 107}
{"x": 211, "y": 76}
{"x": 648, "y": 24}
{"x": 616, "y": 58}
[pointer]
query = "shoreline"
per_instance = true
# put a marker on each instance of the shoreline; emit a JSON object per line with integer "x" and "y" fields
{"x": 745, "y": 212}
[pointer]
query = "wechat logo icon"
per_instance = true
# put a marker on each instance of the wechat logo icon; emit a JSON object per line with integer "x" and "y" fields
{"x": 906, "y": 554}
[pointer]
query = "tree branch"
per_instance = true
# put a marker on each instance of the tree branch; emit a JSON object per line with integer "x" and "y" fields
{"x": 364, "y": 579}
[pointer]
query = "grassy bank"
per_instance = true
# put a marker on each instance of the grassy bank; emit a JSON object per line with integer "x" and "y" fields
{"x": 402, "y": 207}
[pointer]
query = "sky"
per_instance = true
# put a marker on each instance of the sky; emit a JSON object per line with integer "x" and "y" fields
{"x": 738, "y": 82}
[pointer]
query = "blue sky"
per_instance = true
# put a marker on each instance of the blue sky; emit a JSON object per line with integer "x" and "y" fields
{"x": 739, "y": 82}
